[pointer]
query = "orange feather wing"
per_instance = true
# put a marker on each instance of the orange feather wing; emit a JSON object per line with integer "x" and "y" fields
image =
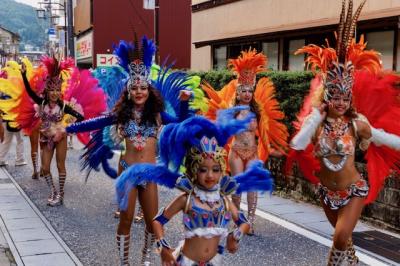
{"x": 272, "y": 132}
{"x": 219, "y": 99}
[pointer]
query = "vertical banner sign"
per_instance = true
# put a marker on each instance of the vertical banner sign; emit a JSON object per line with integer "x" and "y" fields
{"x": 149, "y": 4}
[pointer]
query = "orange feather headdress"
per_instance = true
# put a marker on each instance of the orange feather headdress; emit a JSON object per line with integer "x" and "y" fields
{"x": 337, "y": 65}
{"x": 246, "y": 67}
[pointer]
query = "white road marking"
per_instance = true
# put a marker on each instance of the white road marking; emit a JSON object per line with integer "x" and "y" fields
{"x": 367, "y": 259}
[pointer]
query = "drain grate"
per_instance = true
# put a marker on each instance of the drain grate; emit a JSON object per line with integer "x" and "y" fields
{"x": 380, "y": 243}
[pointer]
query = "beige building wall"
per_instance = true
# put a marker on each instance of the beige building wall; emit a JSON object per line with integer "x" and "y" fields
{"x": 200, "y": 59}
{"x": 249, "y": 17}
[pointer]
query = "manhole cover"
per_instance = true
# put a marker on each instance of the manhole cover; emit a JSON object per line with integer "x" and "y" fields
{"x": 379, "y": 243}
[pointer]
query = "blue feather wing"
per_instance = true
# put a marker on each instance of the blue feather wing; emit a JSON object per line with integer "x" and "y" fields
{"x": 91, "y": 124}
{"x": 255, "y": 178}
{"x": 98, "y": 153}
{"x": 169, "y": 84}
{"x": 139, "y": 173}
{"x": 112, "y": 80}
{"x": 228, "y": 125}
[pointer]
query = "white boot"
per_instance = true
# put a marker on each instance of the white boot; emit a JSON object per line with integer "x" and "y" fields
{"x": 123, "y": 249}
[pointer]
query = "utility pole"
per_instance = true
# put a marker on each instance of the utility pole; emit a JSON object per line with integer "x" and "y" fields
{"x": 156, "y": 29}
{"x": 70, "y": 29}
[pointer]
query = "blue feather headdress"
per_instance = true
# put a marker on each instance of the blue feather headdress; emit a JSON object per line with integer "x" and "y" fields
{"x": 179, "y": 138}
{"x": 136, "y": 60}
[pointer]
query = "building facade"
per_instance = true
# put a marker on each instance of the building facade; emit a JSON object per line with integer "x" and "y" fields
{"x": 222, "y": 28}
{"x": 9, "y": 45}
{"x": 100, "y": 24}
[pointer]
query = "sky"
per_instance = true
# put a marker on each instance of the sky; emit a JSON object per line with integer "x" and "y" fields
{"x": 29, "y": 2}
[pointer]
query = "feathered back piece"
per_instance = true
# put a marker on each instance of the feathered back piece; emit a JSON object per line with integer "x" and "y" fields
{"x": 246, "y": 67}
{"x": 55, "y": 70}
{"x": 337, "y": 65}
{"x": 136, "y": 60}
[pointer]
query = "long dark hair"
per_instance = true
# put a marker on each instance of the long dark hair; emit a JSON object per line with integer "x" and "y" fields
{"x": 153, "y": 105}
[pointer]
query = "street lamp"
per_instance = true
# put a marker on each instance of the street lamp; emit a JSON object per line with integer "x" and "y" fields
{"x": 47, "y": 13}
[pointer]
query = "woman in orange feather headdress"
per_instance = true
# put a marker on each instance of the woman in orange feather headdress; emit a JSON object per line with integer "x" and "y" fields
{"x": 266, "y": 134}
{"x": 352, "y": 98}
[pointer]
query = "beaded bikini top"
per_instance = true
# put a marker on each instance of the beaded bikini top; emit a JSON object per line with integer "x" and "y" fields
{"x": 49, "y": 117}
{"x": 139, "y": 134}
{"x": 335, "y": 139}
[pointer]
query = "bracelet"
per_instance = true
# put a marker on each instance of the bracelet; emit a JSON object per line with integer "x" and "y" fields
{"x": 237, "y": 234}
{"x": 162, "y": 243}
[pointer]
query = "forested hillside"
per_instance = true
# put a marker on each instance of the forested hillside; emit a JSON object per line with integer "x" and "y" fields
{"x": 22, "y": 19}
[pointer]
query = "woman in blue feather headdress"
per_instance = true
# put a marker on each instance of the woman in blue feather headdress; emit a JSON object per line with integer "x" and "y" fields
{"x": 193, "y": 160}
{"x": 137, "y": 106}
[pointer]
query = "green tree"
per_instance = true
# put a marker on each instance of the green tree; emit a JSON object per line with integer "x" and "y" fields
{"x": 22, "y": 19}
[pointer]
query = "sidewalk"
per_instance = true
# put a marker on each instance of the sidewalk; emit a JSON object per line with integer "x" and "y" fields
{"x": 29, "y": 236}
{"x": 381, "y": 245}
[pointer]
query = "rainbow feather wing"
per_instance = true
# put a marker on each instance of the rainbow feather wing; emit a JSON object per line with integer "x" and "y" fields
{"x": 271, "y": 130}
{"x": 27, "y": 117}
{"x": 12, "y": 88}
{"x": 86, "y": 97}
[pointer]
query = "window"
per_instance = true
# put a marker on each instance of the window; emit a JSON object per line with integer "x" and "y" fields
{"x": 220, "y": 57}
{"x": 234, "y": 51}
{"x": 271, "y": 50}
{"x": 296, "y": 62}
{"x": 383, "y": 42}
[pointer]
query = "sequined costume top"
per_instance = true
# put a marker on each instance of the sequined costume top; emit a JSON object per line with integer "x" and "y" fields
{"x": 203, "y": 222}
{"x": 138, "y": 134}
{"x": 206, "y": 223}
{"x": 50, "y": 116}
{"x": 335, "y": 139}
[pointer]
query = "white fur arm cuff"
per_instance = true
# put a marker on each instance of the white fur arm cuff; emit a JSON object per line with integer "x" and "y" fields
{"x": 380, "y": 137}
{"x": 307, "y": 131}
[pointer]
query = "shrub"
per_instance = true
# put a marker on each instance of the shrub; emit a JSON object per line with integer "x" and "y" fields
{"x": 291, "y": 87}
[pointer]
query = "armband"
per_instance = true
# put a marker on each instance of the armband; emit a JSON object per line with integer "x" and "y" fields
{"x": 308, "y": 129}
{"x": 160, "y": 217}
{"x": 237, "y": 234}
{"x": 241, "y": 219}
{"x": 162, "y": 243}
{"x": 381, "y": 137}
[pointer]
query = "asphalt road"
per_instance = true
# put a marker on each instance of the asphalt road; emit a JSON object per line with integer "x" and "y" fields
{"x": 87, "y": 225}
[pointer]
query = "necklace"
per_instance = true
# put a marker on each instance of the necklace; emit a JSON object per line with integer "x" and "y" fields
{"x": 137, "y": 115}
{"x": 210, "y": 197}
{"x": 335, "y": 128}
